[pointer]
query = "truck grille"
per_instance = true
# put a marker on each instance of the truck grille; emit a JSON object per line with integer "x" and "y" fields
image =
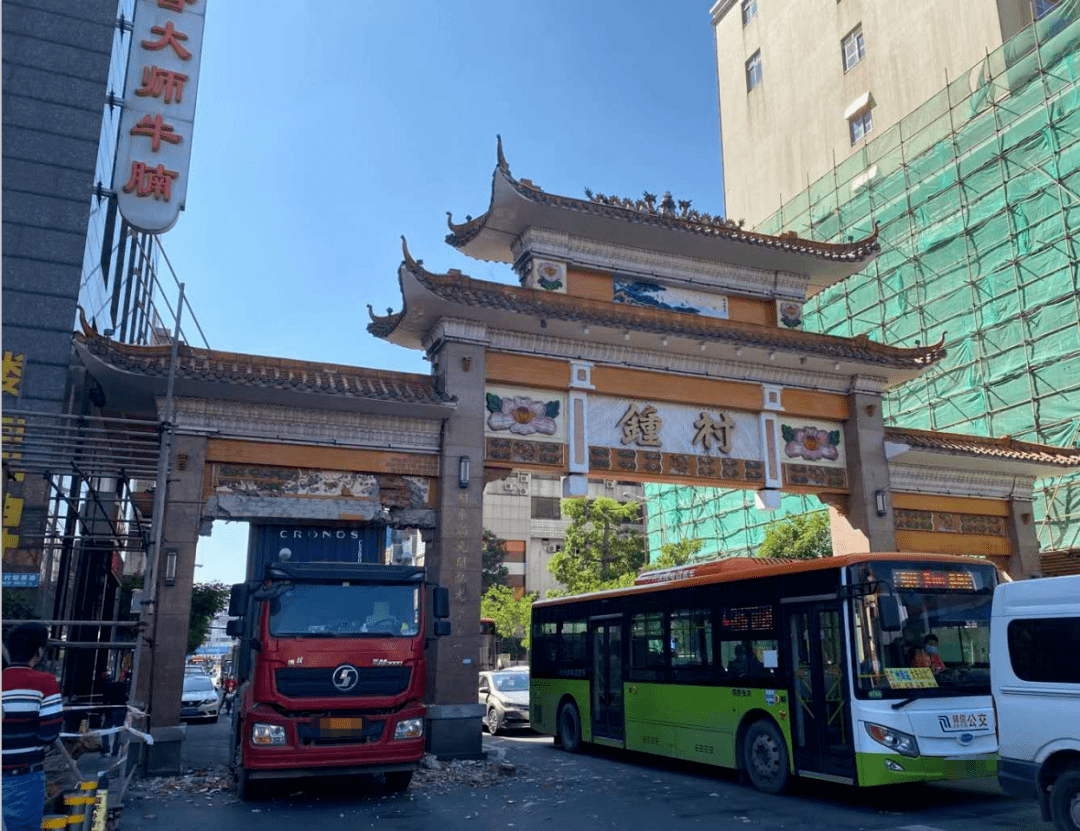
{"x": 319, "y": 683}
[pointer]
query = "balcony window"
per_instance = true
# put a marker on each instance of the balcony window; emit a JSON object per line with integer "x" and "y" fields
{"x": 749, "y": 11}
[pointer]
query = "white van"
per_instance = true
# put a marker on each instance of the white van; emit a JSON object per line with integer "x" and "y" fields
{"x": 1035, "y": 679}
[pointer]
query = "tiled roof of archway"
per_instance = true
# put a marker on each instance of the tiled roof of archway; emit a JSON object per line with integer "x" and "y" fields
{"x": 458, "y": 289}
{"x": 649, "y": 213}
{"x": 238, "y": 369}
{"x": 1000, "y": 448}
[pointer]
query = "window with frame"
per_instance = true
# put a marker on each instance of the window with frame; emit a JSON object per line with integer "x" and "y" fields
{"x": 647, "y": 655}
{"x": 749, "y": 11}
{"x": 546, "y": 507}
{"x": 749, "y": 660}
{"x": 691, "y": 644}
{"x": 753, "y": 72}
{"x": 852, "y": 47}
{"x": 1042, "y": 8}
{"x": 860, "y": 125}
{"x": 1045, "y": 650}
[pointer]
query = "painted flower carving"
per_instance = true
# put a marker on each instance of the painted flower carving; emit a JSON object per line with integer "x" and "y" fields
{"x": 522, "y": 415}
{"x": 810, "y": 443}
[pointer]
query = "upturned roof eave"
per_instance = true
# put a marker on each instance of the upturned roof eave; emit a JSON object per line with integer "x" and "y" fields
{"x": 429, "y": 296}
{"x": 515, "y": 206}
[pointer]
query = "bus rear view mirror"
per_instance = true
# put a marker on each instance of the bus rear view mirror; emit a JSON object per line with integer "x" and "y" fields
{"x": 238, "y": 600}
{"x": 442, "y": 628}
{"x": 889, "y": 613}
{"x": 234, "y": 628}
{"x": 441, "y": 603}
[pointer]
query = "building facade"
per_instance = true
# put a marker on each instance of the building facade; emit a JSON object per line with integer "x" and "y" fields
{"x": 524, "y": 510}
{"x": 975, "y": 195}
{"x": 804, "y": 83}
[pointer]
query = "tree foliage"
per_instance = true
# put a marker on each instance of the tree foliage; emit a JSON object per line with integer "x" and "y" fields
{"x": 512, "y": 614}
{"x": 603, "y": 549}
{"x": 677, "y": 553}
{"x": 799, "y": 536}
{"x": 207, "y": 599}
{"x": 494, "y": 554}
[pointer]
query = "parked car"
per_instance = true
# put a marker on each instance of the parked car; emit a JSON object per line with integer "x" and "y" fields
{"x": 1035, "y": 679}
{"x": 200, "y": 699}
{"x": 505, "y": 693}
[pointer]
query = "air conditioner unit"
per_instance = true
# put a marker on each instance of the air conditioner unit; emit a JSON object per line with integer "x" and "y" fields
{"x": 523, "y": 477}
{"x": 609, "y": 484}
{"x": 509, "y": 486}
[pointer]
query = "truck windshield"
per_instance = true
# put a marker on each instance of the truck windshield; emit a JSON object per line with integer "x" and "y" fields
{"x": 322, "y": 610}
{"x": 942, "y": 646}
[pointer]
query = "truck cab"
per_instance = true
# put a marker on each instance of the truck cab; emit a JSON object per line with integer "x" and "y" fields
{"x": 331, "y": 671}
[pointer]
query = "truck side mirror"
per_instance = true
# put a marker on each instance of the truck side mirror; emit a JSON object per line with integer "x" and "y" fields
{"x": 235, "y": 628}
{"x": 442, "y": 628}
{"x": 889, "y": 613}
{"x": 441, "y": 603}
{"x": 238, "y": 600}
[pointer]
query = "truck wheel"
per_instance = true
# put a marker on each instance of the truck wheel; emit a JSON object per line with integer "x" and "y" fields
{"x": 765, "y": 757}
{"x": 570, "y": 728}
{"x": 493, "y": 722}
{"x": 398, "y": 780}
{"x": 244, "y": 787}
{"x": 1065, "y": 801}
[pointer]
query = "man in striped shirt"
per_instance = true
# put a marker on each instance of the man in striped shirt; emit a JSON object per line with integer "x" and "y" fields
{"x": 31, "y": 723}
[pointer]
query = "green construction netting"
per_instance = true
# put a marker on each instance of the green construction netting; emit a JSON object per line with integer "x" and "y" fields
{"x": 976, "y": 195}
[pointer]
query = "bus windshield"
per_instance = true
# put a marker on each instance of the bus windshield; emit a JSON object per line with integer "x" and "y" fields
{"x": 343, "y": 610}
{"x": 935, "y": 639}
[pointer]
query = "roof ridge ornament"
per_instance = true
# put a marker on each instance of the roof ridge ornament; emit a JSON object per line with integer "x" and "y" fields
{"x": 500, "y": 158}
{"x": 668, "y": 207}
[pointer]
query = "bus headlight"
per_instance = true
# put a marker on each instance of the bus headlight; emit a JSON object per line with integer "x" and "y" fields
{"x": 410, "y": 728}
{"x": 267, "y": 734}
{"x": 902, "y": 743}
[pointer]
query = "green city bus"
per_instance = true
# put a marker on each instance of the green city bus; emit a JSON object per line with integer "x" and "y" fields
{"x": 810, "y": 668}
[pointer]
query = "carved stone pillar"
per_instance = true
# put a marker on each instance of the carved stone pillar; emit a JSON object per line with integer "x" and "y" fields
{"x": 1025, "y": 561}
{"x": 868, "y": 474}
{"x": 455, "y": 559}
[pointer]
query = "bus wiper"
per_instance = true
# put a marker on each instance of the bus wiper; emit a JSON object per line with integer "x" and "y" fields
{"x": 904, "y": 702}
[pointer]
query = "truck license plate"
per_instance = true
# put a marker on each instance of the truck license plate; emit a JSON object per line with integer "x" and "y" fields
{"x": 340, "y": 726}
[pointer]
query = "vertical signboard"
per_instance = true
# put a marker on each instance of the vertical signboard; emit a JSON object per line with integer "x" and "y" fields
{"x": 154, "y": 147}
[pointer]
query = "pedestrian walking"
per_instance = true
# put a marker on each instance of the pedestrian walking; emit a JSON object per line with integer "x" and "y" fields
{"x": 114, "y": 697}
{"x": 31, "y": 722}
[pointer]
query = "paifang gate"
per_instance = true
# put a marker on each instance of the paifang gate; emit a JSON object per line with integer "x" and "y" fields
{"x": 645, "y": 341}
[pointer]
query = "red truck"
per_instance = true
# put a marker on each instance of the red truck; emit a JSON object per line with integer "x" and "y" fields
{"x": 331, "y": 670}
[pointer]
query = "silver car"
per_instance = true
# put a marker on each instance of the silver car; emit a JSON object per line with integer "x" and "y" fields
{"x": 200, "y": 699}
{"x": 505, "y": 694}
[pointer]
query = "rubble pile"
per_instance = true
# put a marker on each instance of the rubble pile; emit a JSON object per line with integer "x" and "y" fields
{"x": 193, "y": 783}
{"x": 442, "y": 776}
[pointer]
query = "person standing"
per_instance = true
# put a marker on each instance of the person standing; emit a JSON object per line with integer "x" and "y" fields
{"x": 31, "y": 722}
{"x": 114, "y": 697}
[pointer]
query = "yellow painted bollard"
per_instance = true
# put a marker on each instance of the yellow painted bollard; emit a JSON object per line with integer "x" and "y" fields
{"x": 78, "y": 805}
{"x": 54, "y": 821}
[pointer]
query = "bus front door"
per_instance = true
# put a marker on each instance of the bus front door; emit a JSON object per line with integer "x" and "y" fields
{"x": 607, "y": 677}
{"x": 820, "y": 715}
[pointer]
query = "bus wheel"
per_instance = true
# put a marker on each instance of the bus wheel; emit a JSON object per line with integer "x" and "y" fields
{"x": 1065, "y": 801}
{"x": 570, "y": 728}
{"x": 765, "y": 757}
{"x": 398, "y": 780}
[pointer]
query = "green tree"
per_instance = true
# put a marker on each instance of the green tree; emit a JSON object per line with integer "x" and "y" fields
{"x": 602, "y": 549}
{"x": 677, "y": 554}
{"x": 207, "y": 599}
{"x": 512, "y": 614}
{"x": 799, "y": 537}
{"x": 494, "y": 554}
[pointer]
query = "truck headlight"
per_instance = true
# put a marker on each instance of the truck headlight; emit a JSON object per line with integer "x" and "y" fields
{"x": 902, "y": 743}
{"x": 267, "y": 734}
{"x": 410, "y": 728}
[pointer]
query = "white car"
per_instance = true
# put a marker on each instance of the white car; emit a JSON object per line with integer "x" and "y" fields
{"x": 200, "y": 699}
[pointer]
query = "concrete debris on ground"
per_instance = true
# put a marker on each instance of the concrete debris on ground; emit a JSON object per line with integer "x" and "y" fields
{"x": 192, "y": 783}
{"x": 441, "y": 776}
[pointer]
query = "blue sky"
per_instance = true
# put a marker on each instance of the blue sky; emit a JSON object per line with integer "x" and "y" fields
{"x": 327, "y": 129}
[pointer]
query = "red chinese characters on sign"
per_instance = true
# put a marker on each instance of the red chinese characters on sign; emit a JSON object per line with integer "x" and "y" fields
{"x": 169, "y": 37}
{"x": 150, "y": 181}
{"x": 162, "y": 83}
{"x": 174, "y": 5}
{"x": 157, "y": 130}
